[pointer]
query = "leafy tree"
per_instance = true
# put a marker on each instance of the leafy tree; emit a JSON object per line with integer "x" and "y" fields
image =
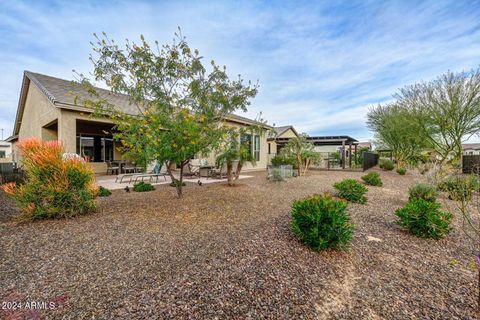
{"x": 447, "y": 110}
{"x": 302, "y": 151}
{"x": 358, "y": 156}
{"x": 180, "y": 106}
{"x": 395, "y": 129}
{"x": 234, "y": 151}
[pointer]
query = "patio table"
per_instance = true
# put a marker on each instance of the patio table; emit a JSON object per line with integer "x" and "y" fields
{"x": 204, "y": 171}
{"x": 120, "y": 163}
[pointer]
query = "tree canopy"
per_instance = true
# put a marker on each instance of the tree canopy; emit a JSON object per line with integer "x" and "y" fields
{"x": 440, "y": 115}
{"x": 181, "y": 106}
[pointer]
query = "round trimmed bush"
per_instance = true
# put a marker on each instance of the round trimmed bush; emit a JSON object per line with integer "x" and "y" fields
{"x": 460, "y": 187}
{"x": 103, "y": 192}
{"x": 401, "y": 171}
{"x": 143, "y": 187}
{"x": 386, "y": 164}
{"x": 423, "y": 191}
{"x": 351, "y": 190}
{"x": 424, "y": 219}
{"x": 322, "y": 222}
{"x": 372, "y": 179}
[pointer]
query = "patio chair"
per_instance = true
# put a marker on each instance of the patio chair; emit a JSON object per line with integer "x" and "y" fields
{"x": 220, "y": 172}
{"x": 129, "y": 167}
{"x": 155, "y": 173}
{"x": 190, "y": 170}
{"x": 111, "y": 168}
{"x": 127, "y": 177}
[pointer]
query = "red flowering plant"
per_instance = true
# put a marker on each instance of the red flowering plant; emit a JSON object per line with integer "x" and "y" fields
{"x": 54, "y": 187}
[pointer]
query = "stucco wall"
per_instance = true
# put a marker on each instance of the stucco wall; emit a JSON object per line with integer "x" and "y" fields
{"x": 7, "y": 147}
{"x": 261, "y": 164}
{"x": 288, "y": 134}
{"x": 38, "y": 112}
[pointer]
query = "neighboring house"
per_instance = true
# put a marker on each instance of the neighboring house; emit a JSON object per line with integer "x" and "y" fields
{"x": 471, "y": 148}
{"x": 277, "y": 139}
{"x": 47, "y": 110}
{"x": 366, "y": 144}
{"x": 5, "y": 151}
{"x": 326, "y": 145}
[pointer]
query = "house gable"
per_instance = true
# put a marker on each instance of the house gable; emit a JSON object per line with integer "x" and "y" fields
{"x": 35, "y": 113}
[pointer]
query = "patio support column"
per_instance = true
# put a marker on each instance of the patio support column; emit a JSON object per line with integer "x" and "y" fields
{"x": 67, "y": 132}
{"x": 350, "y": 155}
{"x": 356, "y": 152}
{"x": 343, "y": 154}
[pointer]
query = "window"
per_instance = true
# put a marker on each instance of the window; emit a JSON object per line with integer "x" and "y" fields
{"x": 3, "y": 154}
{"x": 246, "y": 140}
{"x": 95, "y": 148}
{"x": 256, "y": 147}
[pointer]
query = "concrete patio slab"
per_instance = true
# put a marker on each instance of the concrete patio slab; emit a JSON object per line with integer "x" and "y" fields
{"x": 109, "y": 181}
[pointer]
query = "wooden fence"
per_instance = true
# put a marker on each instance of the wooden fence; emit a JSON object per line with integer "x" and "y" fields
{"x": 370, "y": 160}
{"x": 471, "y": 163}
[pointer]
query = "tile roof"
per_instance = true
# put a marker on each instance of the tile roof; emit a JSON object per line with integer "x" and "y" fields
{"x": 65, "y": 92}
{"x": 471, "y": 146}
{"x": 281, "y": 129}
{"x": 61, "y": 91}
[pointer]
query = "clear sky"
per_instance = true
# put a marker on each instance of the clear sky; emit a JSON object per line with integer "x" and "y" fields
{"x": 320, "y": 65}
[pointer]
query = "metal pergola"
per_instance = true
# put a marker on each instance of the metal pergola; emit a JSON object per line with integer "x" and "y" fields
{"x": 342, "y": 141}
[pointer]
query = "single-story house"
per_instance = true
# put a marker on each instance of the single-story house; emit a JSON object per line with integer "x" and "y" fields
{"x": 471, "y": 148}
{"x": 47, "y": 109}
{"x": 5, "y": 151}
{"x": 366, "y": 144}
{"x": 277, "y": 134}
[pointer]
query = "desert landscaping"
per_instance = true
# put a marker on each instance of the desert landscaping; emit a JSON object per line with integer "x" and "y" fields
{"x": 222, "y": 252}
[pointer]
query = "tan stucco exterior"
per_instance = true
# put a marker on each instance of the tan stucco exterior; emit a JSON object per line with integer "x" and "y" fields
{"x": 272, "y": 150}
{"x": 5, "y": 151}
{"x": 45, "y": 120}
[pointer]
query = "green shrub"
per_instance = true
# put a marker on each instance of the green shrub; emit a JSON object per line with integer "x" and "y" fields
{"x": 282, "y": 159}
{"x": 176, "y": 183}
{"x": 401, "y": 171}
{"x": 103, "y": 192}
{"x": 54, "y": 187}
{"x": 386, "y": 164}
{"x": 322, "y": 222}
{"x": 372, "y": 179}
{"x": 143, "y": 187}
{"x": 424, "y": 219}
{"x": 423, "y": 191}
{"x": 351, "y": 190}
{"x": 460, "y": 187}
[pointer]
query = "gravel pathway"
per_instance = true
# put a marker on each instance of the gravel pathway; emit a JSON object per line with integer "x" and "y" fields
{"x": 223, "y": 252}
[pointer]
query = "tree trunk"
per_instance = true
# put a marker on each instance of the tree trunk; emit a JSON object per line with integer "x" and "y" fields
{"x": 307, "y": 163}
{"x": 180, "y": 182}
{"x": 239, "y": 169}
{"x": 299, "y": 163}
{"x": 229, "y": 173}
{"x": 169, "y": 170}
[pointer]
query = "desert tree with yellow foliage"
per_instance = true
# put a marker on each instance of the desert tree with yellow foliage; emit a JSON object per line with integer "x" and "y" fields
{"x": 181, "y": 105}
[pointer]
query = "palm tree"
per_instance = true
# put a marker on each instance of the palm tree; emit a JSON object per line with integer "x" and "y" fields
{"x": 234, "y": 152}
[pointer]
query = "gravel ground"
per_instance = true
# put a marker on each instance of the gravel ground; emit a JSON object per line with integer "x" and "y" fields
{"x": 223, "y": 252}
